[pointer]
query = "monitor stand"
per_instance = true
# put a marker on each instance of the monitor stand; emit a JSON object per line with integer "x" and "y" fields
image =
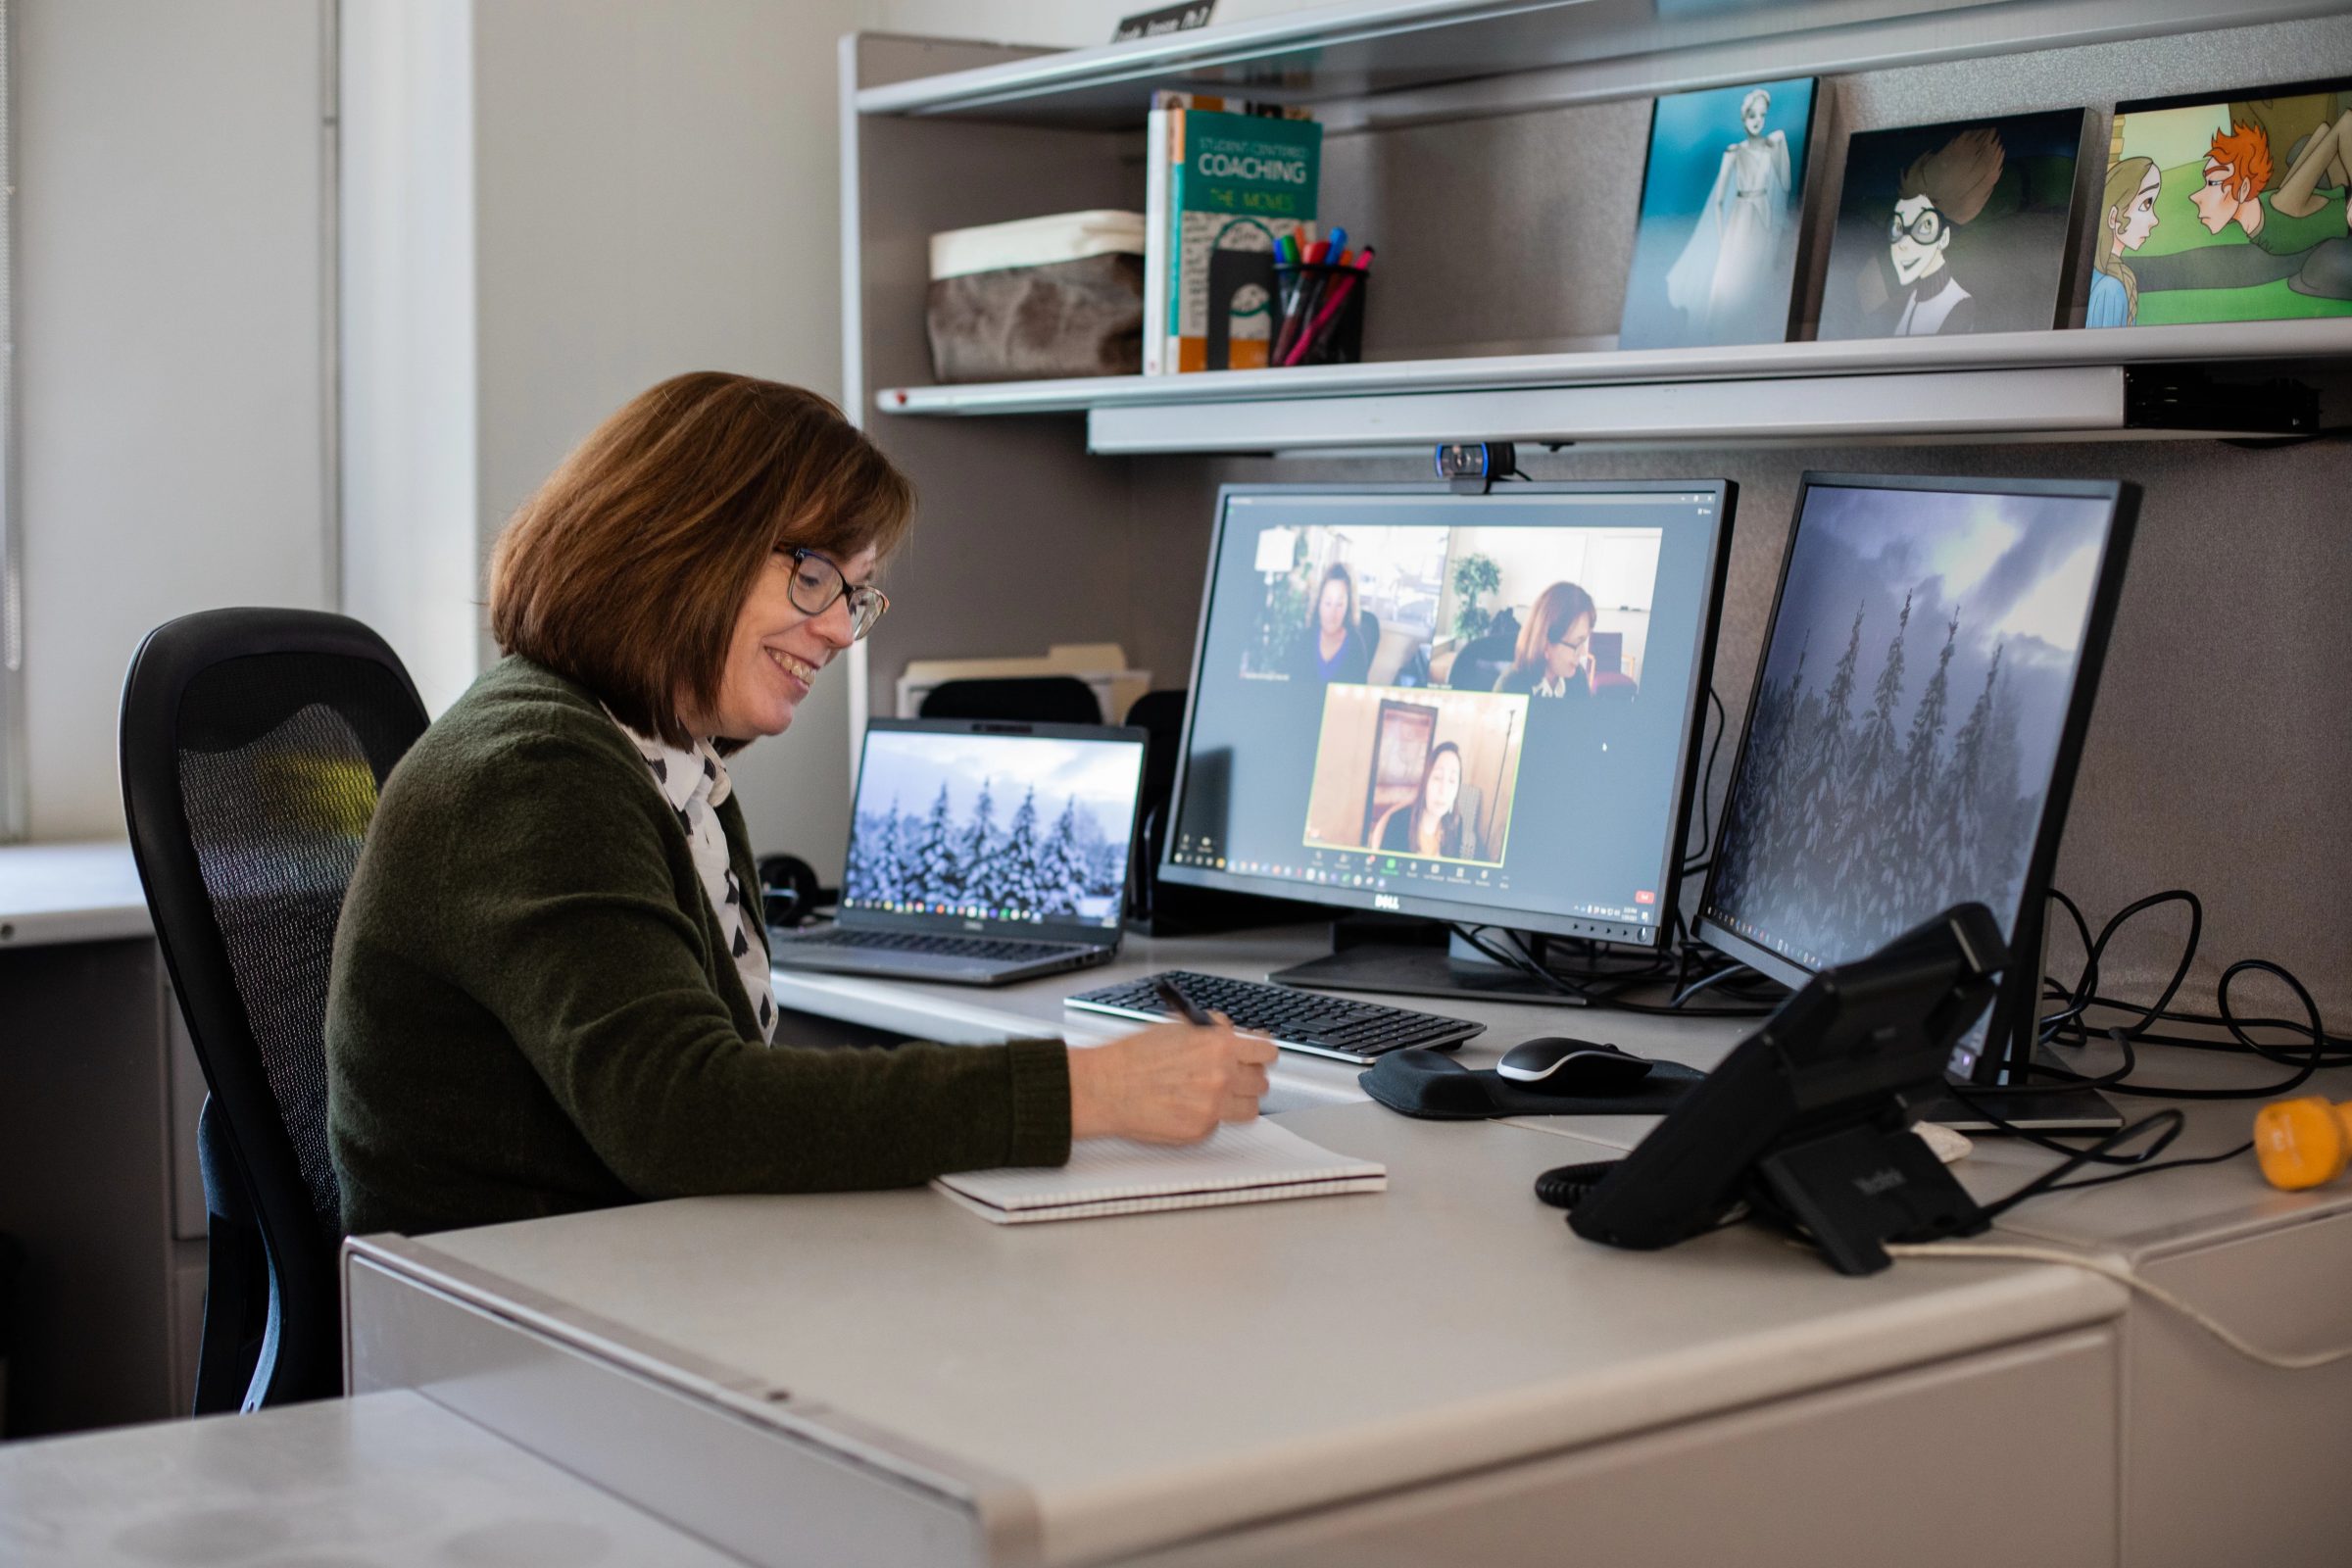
{"x": 1456, "y": 969}
{"x": 2053, "y": 1107}
{"x": 2058, "y": 1108}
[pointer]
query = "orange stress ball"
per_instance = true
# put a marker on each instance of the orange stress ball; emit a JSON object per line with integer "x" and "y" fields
{"x": 2302, "y": 1142}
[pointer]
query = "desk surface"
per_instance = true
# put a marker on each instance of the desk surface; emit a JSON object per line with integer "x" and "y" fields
{"x": 977, "y": 1016}
{"x": 2145, "y": 1217}
{"x": 388, "y": 1478}
{"x": 1147, "y": 1378}
{"x": 70, "y": 893}
{"x": 2164, "y": 1213}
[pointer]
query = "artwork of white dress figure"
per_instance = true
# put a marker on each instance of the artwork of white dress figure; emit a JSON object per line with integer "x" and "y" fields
{"x": 1725, "y": 271}
{"x": 1715, "y": 254}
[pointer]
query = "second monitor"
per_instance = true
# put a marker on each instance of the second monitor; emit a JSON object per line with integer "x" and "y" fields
{"x": 1473, "y": 709}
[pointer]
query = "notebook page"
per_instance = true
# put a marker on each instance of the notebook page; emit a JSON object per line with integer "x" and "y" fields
{"x": 1238, "y": 1155}
{"x": 1152, "y": 1206}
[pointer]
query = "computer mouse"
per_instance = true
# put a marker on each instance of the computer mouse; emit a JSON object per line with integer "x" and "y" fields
{"x": 1555, "y": 1064}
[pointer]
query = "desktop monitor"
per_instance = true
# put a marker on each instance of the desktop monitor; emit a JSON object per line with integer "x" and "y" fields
{"x": 1477, "y": 708}
{"x": 1919, "y": 710}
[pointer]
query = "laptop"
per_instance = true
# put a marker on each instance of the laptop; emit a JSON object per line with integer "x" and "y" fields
{"x": 981, "y": 850}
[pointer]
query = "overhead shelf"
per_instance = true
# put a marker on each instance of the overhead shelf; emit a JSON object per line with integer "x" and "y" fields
{"x": 2082, "y": 400}
{"x": 1386, "y": 61}
{"x": 1390, "y": 49}
{"x": 2022, "y": 383}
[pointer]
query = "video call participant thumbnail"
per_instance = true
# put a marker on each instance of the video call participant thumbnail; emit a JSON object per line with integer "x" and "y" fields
{"x": 1334, "y": 648}
{"x": 1423, "y": 773}
{"x": 1554, "y": 656}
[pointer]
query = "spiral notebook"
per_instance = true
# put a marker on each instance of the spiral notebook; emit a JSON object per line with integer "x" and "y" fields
{"x": 1247, "y": 1162}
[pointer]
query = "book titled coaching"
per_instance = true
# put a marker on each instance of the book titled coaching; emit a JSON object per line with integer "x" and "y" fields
{"x": 1235, "y": 183}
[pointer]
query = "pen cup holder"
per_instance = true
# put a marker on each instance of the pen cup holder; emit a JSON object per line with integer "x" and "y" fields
{"x": 1322, "y": 320}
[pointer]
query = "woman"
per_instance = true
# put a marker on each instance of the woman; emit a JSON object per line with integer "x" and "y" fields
{"x": 1334, "y": 648}
{"x": 1429, "y": 823}
{"x": 2126, "y": 217}
{"x": 1555, "y": 655}
{"x": 1722, "y": 282}
{"x": 550, "y": 988}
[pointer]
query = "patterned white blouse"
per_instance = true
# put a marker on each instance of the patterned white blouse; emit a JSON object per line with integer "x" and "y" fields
{"x": 695, "y": 783}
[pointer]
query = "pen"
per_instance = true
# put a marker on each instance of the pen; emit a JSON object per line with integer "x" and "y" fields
{"x": 1336, "y": 297}
{"x": 1303, "y": 300}
{"x": 1177, "y": 1002}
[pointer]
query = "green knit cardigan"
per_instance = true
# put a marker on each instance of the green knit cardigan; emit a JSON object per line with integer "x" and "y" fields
{"x": 532, "y": 1009}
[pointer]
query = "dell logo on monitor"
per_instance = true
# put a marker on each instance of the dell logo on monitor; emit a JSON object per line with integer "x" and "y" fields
{"x": 1385, "y": 900}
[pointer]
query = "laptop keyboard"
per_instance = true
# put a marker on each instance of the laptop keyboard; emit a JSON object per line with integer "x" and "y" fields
{"x": 990, "y": 948}
{"x": 1313, "y": 1021}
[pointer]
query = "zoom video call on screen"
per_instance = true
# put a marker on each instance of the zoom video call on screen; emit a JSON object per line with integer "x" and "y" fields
{"x": 1465, "y": 706}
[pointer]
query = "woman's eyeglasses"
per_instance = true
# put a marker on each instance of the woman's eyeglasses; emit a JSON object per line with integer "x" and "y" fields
{"x": 816, "y": 583}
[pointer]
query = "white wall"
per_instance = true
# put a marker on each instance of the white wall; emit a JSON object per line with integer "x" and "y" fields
{"x": 547, "y": 205}
{"x": 169, "y": 310}
{"x": 410, "y": 483}
{"x": 654, "y": 196}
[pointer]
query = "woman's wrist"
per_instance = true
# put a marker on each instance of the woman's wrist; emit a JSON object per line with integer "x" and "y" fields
{"x": 1091, "y": 1098}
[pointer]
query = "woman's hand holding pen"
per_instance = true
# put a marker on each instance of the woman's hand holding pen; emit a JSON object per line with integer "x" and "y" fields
{"x": 1172, "y": 1083}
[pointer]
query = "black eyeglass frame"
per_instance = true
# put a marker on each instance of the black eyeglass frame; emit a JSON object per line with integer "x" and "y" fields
{"x": 1896, "y": 229}
{"x": 861, "y": 594}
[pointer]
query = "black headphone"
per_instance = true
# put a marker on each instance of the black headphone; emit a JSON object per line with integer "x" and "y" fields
{"x": 788, "y": 890}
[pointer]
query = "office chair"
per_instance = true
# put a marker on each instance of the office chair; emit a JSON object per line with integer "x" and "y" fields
{"x": 1160, "y": 716}
{"x": 1038, "y": 699}
{"x": 254, "y": 742}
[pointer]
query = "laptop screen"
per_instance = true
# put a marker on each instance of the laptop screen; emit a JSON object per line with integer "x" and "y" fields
{"x": 1024, "y": 825}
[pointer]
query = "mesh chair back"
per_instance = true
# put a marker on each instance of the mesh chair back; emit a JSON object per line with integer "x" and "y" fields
{"x": 254, "y": 744}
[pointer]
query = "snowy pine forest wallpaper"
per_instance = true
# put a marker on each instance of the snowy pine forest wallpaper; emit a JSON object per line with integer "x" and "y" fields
{"x": 1914, "y": 692}
{"x": 1029, "y": 826}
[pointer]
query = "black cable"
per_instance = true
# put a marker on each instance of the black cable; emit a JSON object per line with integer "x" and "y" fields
{"x": 2323, "y": 1050}
{"x": 1707, "y": 788}
{"x": 2070, "y": 1025}
{"x": 1606, "y": 991}
{"x": 2171, "y": 1123}
{"x": 1969, "y": 1095}
{"x": 1705, "y": 982}
{"x": 2338, "y": 1048}
{"x": 2305, "y": 1062}
{"x": 2246, "y": 1147}
{"x": 2096, "y": 949}
{"x": 2090, "y": 977}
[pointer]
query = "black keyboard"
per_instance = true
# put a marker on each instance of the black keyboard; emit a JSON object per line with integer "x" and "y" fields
{"x": 950, "y": 946}
{"x": 1312, "y": 1022}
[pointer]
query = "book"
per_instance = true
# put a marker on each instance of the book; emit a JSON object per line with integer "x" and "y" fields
{"x": 1155, "y": 233}
{"x": 1243, "y": 1162}
{"x": 1220, "y": 174}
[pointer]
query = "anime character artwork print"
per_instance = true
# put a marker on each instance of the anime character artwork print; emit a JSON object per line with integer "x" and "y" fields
{"x": 1953, "y": 228}
{"x": 1716, "y": 250}
{"x": 2225, "y": 210}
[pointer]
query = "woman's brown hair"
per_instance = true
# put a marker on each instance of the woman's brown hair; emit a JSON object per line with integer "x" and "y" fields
{"x": 1336, "y": 571}
{"x": 1549, "y": 618}
{"x": 626, "y": 570}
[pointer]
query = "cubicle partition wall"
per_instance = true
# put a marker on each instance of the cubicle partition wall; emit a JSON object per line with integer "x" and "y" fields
{"x": 1503, "y": 203}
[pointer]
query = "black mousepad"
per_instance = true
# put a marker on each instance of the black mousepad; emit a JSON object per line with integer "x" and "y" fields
{"x": 1432, "y": 1085}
